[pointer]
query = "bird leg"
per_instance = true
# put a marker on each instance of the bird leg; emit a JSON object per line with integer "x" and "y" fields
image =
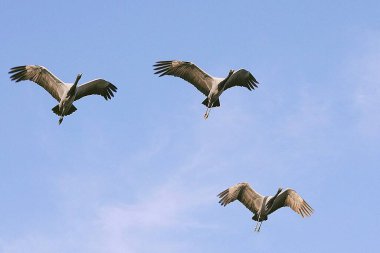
{"x": 258, "y": 224}
{"x": 207, "y": 112}
{"x": 258, "y": 230}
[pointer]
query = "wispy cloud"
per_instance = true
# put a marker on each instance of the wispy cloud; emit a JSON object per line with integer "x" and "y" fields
{"x": 364, "y": 69}
{"x": 169, "y": 206}
{"x": 161, "y": 208}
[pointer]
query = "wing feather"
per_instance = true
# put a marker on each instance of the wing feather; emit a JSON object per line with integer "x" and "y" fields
{"x": 293, "y": 200}
{"x": 40, "y": 75}
{"x": 245, "y": 194}
{"x": 187, "y": 71}
{"x": 242, "y": 78}
{"x": 96, "y": 87}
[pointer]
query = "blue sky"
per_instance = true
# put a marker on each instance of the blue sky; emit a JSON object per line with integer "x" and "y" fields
{"x": 141, "y": 172}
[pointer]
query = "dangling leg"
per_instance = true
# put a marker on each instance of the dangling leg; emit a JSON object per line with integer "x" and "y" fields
{"x": 258, "y": 230}
{"x": 207, "y": 112}
{"x": 257, "y": 224}
{"x": 60, "y": 120}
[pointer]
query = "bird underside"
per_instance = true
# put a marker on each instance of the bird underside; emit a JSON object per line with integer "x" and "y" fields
{"x": 59, "y": 113}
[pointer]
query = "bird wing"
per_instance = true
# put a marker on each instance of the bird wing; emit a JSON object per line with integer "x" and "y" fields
{"x": 293, "y": 200}
{"x": 187, "y": 71}
{"x": 96, "y": 87}
{"x": 245, "y": 194}
{"x": 242, "y": 78}
{"x": 40, "y": 75}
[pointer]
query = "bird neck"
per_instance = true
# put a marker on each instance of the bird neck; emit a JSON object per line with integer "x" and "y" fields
{"x": 222, "y": 84}
{"x": 278, "y": 192}
{"x": 73, "y": 88}
{"x": 270, "y": 202}
{"x": 264, "y": 206}
{"x": 77, "y": 80}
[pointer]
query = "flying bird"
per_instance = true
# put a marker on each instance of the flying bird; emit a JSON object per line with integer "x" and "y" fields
{"x": 64, "y": 93}
{"x": 210, "y": 86}
{"x": 262, "y": 206}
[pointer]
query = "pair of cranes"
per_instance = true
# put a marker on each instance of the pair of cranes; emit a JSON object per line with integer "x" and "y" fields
{"x": 211, "y": 87}
{"x": 66, "y": 93}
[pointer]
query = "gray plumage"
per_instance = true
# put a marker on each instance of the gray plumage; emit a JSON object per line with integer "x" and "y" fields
{"x": 64, "y": 93}
{"x": 261, "y": 206}
{"x": 212, "y": 87}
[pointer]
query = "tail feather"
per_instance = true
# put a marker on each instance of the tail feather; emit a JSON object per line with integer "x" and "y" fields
{"x": 215, "y": 104}
{"x": 72, "y": 109}
{"x": 205, "y": 102}
{"x": 55, "y": 109}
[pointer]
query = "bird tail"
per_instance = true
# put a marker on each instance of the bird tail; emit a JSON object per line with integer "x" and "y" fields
{"x": 55, "y": 109}
{"x": 215, "y": 104}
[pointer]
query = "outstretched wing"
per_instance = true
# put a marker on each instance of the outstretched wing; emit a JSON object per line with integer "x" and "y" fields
{"x": 187, "y": 71}
{"x": 293, "y": 200}
{"x": 96, "y": 87}
{"x": 245, "y": 194}
{"x": 40, "y": 75}
{"x": 242, "y": 78}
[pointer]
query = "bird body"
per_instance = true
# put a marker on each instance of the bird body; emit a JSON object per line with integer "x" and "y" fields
{"x": 64, "y": 93}
{"x": 211, "y": 87}
{"x": 67, "y": 99}
{"x": 261, "y": 206}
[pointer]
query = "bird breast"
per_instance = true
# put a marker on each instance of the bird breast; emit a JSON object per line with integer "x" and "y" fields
{"x": 67, "y": 100}
{"x": 215, "y": 92}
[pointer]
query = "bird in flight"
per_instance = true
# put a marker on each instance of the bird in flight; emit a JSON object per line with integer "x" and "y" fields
{"x": 262, "y": 206}
{"x": 212, "y": 87}
{"x": 64, "y": 93}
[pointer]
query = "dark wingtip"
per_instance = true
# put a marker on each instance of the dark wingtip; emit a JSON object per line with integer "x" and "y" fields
{"x": 162, "y": 66}
{"x": 109, "y": 92}
{"x": 16, "y": 69}
{"x": 17, "y": 73}
{"x": 113, "y": 87}
{"x": 161, "y": 63}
